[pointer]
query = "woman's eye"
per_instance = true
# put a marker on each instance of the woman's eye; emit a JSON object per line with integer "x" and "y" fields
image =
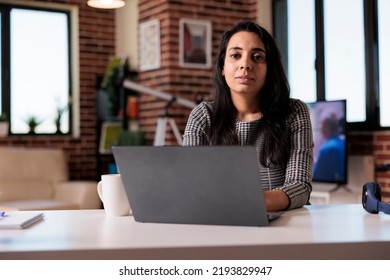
{"x": 258, "y": 57}
{"x": 234, "y": 55}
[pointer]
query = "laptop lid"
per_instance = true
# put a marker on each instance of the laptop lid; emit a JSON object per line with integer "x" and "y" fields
{"x": 217, "y": 185}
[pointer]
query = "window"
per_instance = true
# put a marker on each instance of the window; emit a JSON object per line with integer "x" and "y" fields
{"x": 344, "y": 55}
{"x": 334, "y": 52}
{"x": 384, "y": 58}
{"x": 36, "y": 64}
{"x": 302, "y": 49}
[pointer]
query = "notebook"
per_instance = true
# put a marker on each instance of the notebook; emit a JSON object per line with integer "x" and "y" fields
{"x": 214, "y": 185}
{"x": 19, "y": 219}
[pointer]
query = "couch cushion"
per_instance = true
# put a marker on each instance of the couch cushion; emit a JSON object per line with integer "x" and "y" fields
{"x": 33, "y": 164}
{"x": 37, "y": 204}
{"x": 17, "y": 189}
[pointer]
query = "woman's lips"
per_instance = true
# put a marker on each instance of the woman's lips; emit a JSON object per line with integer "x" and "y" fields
{"x": 244, "y": 79}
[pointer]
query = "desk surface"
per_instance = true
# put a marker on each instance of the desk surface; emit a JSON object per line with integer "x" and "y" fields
{"x": 312, "y": 232}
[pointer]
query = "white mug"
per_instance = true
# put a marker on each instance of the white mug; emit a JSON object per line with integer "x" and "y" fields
{"x": 113, "y": 195}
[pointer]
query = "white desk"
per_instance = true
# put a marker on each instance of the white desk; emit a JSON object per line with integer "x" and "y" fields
{"x": 312, "y": 232}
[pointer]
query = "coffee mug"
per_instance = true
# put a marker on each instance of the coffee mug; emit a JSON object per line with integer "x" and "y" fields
{"x": 113, "y": 195}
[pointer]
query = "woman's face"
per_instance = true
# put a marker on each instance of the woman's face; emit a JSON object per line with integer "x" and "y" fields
{"x": 245, "y": 67}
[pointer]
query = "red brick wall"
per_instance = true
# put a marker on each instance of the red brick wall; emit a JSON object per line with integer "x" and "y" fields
{"x": 376, "y": 144}
{"x": 381, "y": 151}
{"x": 96, "y": 45}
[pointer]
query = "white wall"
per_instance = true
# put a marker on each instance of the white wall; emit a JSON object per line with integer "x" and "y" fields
{"x": 126, "y": 36}
{"x": 264, "y": 14}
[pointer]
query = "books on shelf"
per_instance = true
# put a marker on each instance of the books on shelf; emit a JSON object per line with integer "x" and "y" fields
{"x": 19, "y": 220}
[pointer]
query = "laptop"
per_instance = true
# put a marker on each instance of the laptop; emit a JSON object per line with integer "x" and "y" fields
{"x": 212, "y": 185}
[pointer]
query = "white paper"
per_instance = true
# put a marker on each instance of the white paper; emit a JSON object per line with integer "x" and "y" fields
{"x": 19, "y": 220}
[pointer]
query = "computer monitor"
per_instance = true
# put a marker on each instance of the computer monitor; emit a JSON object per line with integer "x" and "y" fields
{"x": 330, "y": 144}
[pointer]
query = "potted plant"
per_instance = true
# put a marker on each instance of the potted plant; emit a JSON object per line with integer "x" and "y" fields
{"x": 4, "y": 125}
{"x": 60, "y": 110}
{"x": 32, "y": 122}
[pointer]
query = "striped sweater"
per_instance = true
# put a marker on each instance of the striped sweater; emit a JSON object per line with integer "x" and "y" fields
{"x": 295, "y": 178}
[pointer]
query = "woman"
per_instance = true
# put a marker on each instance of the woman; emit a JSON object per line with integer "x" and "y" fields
{"x": 252, "y": 106}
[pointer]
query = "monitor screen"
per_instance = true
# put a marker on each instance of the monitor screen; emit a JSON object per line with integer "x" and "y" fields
{"x": 328, "y": 119}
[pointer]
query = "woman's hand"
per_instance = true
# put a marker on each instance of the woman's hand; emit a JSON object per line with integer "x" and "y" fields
{"x": 275, "y": 200}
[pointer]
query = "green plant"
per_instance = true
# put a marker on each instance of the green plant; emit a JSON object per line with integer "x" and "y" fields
{"x": 32, "y": 122}
{"x": 60, "y": 110}
{"x": 112, "y": 82}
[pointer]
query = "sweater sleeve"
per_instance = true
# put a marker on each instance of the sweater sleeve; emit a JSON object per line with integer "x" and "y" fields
{"x": 198, "y": 123}
{"x": 299, "y": 168}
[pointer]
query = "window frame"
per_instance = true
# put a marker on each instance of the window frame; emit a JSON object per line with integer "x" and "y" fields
{"x": 371, "y": 56}
{"x": 71, "y": 12}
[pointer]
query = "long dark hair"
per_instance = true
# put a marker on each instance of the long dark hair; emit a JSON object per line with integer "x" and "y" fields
{"x": 273, "y": 102}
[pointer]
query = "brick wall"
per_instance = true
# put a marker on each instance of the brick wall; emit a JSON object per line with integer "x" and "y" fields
{"x": 381, "y": 151}
{"x": 96, "y": 45}
{"x": 377, "y": 144}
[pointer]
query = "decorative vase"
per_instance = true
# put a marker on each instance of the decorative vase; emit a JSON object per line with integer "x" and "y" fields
{"x": 31, "y": 130}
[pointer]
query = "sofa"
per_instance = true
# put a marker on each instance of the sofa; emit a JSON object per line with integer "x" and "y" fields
{"x": 38, "y": 179}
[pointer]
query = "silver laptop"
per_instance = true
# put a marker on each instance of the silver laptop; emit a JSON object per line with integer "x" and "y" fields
{"x": 214, "y": 185}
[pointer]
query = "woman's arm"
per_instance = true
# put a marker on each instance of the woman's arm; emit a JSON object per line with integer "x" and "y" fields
{"x": 299, "y": 171}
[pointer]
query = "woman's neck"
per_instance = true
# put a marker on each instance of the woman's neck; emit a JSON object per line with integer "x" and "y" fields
{"x": 248, "y": 116}
{"x": 247, "y": 109}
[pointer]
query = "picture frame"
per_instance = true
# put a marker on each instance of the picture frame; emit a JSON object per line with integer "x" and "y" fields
{"x": 150, "y": 49}
{"x": 109, "y": 136}
{"x": 195, "y": 43}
